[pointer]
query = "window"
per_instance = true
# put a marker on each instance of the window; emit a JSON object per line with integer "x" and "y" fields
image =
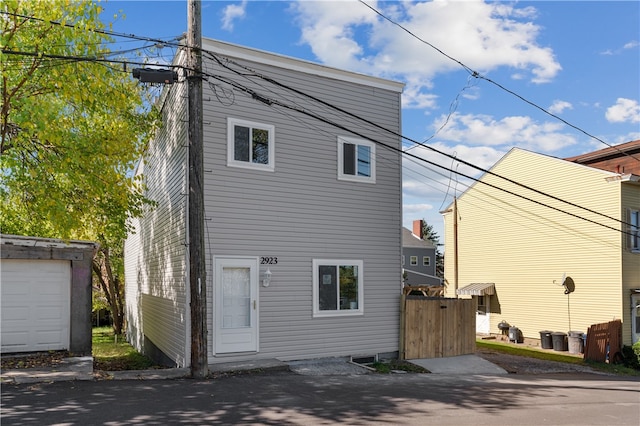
{"x": 356, "y": 160}
{"x": 482, "y": 305}
{"x": 634, "y": 228}
{"x": 337, "y": 287}
{"x": 426, "y": 261}
{"x": 250, "y": 145}
{"x": 413, "y": 260}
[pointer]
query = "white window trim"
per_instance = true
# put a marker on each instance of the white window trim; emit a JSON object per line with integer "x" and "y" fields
{"x": 426, "y": 261}
{"x": 317, "y": 313}
{"x": 231, "y": 162}
{"x": 411, "y": 260}
{"x": 356, "y": 178}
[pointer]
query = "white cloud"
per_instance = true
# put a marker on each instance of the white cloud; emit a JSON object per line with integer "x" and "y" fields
{"x": 630, "y": 45}
{"x": 558, "y": 106}
{"x": 483, "y": 36}
{"x": 624, "y": 111}
{"x": 232, "y": 12}
{"x": 522, "y": 131}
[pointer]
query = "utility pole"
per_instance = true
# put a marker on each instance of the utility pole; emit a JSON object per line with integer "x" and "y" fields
{"x": 197, "y": 267}
{"x": 455, "y": 245}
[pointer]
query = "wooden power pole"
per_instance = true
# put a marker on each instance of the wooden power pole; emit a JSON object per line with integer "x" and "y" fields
{"x": 197, "y": 267}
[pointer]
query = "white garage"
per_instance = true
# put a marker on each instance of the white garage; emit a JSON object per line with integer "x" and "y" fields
{"x": 45, "y": 295}
{"x": 35, "y": 305}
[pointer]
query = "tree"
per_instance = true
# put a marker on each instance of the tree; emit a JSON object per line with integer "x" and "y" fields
{"x": 71, "y": 132}
{"x": 428, "y": 233}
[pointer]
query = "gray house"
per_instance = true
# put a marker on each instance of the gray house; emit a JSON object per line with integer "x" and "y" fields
{"x": 302, "y": 211}
{"x": 418, "y": 258}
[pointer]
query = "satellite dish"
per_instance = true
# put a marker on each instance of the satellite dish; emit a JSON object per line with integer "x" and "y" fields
{"x": 569, "y": 285}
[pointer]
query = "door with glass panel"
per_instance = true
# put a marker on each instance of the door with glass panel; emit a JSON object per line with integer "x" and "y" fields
{"x": 236, "y": 304}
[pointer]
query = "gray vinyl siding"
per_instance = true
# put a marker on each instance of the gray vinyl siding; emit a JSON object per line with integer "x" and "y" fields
{"x": 157, "y": 283}
{"x": 297, "y": 213}
{"x": 301, "y": 212}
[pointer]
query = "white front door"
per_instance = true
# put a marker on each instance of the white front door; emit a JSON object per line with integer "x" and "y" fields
{"x": 236, "y": 304}
{"x": 483, "y": 323}
{"x": 635, "y": 317}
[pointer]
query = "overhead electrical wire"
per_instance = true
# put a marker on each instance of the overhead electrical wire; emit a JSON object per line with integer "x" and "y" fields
{"x": 476, "y": 74}
{"x": 271, "y": 102}
{"x": 394, "y": 133}
{"x": 274, "y": 102}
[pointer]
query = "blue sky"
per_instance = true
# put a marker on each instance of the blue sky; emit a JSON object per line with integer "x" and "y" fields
{"x": 579, "y": 60}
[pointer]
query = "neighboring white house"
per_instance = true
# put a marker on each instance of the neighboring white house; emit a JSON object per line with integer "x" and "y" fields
{"x": 302, "y": 214}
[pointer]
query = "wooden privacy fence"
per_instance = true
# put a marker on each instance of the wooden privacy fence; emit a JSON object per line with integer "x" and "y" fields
{"x": 436, "y": 327}
{"x": 604, "y": 342}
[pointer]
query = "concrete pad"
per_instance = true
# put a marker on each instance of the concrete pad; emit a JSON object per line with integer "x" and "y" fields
{"x": 461, "y": 365}
{"x": 327, "y": 367}
{"x": 73, "y": 368}
{"x": 260, "y": 364}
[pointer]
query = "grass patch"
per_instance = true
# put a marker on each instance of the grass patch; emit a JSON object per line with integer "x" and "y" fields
{"x": 542, "y": 354}
{"x": 111, "y": 354}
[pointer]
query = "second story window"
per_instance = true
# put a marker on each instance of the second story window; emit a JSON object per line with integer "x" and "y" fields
{"x": 356, "y": 160}
{"x": 426, "y": 261}
{"x": 250, "y": 145}
{"x": 634, "y": 237}
{"x": 414, "y": 260}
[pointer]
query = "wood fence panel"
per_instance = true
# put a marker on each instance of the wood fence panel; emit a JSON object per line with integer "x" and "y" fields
{"x": 604, "y": 341}
{"x": 437, "y": 327}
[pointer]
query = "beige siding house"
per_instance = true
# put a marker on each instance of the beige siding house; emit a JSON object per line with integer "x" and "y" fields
{"x": 513, "y": 248}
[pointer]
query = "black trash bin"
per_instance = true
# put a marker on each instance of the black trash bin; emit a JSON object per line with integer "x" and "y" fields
{"x": 545, "y": 339}
{"x": 515, "y": 335}
{"x": 559, "y": 341}
{"x": 576, "y": 342}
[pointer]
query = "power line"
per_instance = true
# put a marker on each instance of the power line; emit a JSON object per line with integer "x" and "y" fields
{"x": 274, "y": 102}
{"x": 268, "y": 101}
{"x": 476, "y": 74}
{"x": 394, "y": 133}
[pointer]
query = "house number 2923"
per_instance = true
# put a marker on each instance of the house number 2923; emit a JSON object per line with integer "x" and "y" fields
{"x": 268, "y": 260}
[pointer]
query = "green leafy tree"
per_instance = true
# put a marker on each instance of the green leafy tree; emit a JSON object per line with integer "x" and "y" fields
{"x": 71, "y": 131}
{"x": 431, "y": 235}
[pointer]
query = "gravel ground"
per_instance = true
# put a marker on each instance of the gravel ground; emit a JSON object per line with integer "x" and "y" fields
{"x": 514, "y": 364}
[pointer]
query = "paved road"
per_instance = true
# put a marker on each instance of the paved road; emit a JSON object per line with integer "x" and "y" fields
{"x": 284, "y": 398}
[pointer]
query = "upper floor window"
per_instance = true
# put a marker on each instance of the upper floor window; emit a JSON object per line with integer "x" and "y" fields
{"x": 250, "y": 145}
{"x": 426, "y": 261}
{"x": 634, "y": 228}
{"x": 337, "y": 287}
{"x": 356, "y": 160}
{"x": 413, "y": 260}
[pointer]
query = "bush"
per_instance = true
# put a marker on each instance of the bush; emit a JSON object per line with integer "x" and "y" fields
{"x": 631, "y": 356}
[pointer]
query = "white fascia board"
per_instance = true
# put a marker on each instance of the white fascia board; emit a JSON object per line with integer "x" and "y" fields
{"x": 286, "y": 62}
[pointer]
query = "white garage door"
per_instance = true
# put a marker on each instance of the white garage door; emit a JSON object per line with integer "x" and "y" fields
{"x": 35, "y": 305}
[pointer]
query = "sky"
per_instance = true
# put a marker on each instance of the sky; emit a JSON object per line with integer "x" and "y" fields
{"x": 576, "y": 60}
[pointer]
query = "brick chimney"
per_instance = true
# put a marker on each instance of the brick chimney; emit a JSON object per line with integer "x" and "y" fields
{"x": 417, "y": 228}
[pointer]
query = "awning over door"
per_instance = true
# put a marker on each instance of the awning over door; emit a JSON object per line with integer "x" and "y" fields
{"x": 477, "y": 289}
